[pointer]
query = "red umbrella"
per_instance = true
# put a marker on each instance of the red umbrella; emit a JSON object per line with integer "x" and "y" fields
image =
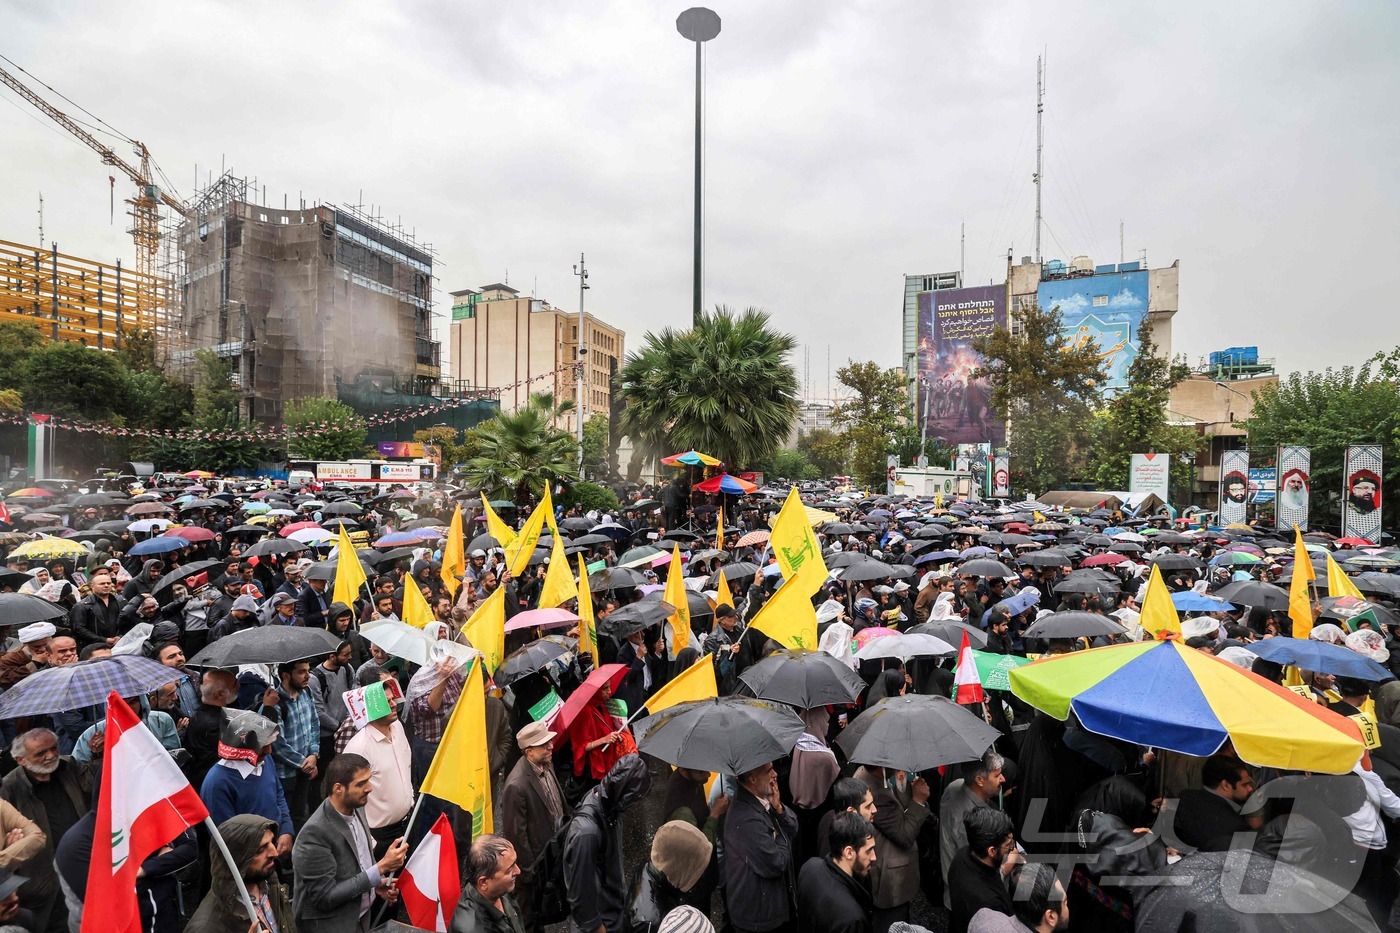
{"x": 191, "y": 533}
{"x": 1354, "y": 542}
{"x": 727, "y": 483}
{"x": 1104, "y": 560}
{"x": 610, "y": 674}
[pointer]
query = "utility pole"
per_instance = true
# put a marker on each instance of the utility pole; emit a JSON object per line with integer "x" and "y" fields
{"x": 1120, "y": 240}
{"x": 41, "y": 220}
{"x": 580, "y": 406}
{"x": 1039, "y": 145}
{"x": 962, "y": 258}
{"x": 699, "y": 25}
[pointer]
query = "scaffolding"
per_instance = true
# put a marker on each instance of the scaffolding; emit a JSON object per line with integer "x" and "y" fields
{"x": 80, "y": 300}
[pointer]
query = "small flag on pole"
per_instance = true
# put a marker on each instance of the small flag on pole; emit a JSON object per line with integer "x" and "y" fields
{"x": 431, "y": 882}
{"x": 968, "y": 680}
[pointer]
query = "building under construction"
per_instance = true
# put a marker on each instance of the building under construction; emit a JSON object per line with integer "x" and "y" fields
{"x": 300, "y": 301}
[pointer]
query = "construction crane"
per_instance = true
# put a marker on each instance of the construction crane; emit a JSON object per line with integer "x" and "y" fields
{"x": 145, "y": 205}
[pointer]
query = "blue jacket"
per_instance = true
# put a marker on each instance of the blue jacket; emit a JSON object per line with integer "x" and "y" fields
{"x": 227, "y": 793}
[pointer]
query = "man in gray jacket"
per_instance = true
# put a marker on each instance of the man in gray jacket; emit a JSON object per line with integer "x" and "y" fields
{"x": 336, "y": 875}
{"x": 759, "y": 873}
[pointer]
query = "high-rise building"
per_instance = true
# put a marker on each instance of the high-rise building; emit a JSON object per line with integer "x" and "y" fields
{"x": 520, "y": 345}
{"x": 914, "y": 285}
{"x": 301, "y": 301}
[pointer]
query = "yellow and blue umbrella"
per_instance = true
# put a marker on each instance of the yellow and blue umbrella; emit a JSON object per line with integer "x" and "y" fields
{"x": 690, "y": 458}
{"x": 1165, "y": 695}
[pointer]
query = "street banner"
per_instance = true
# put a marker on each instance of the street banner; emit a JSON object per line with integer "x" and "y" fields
{"x": 1234, "y": 486}
{"x": 1294, "y": 487}
{"x": 1361, "y": 496}
{"x": 1151, "y": 473}
{"x": 1001, "y": 476}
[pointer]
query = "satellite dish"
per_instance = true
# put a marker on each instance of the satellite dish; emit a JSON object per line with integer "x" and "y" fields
{"x": 698, "y": 24}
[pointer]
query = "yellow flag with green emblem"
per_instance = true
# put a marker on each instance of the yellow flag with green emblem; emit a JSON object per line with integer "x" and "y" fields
{"x": 558, "y": 587}
{"x": 1159, "y": 617}
{"x": 795, "y": 545}
{"x": 789, "y": 618}
{"x": 1338, "y": 583}
{"x": 486, "y": 629}
{"x": 719, "y": 530}
{"x": 349, "y": 575}
{"x": 518, "y": 551}
{"x": 461, "y": 768}
{"x": 416, "y": 611}
{"x": 494, "y": 526}
{"x": 1299, "y": 599}
{"x": 676, "y": 595}
{"x": 454, "y": 554}
{"x": 696, "y": 682}
{"x": 587, "y": 628}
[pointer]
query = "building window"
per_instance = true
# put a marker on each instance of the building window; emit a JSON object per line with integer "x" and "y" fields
{"x": 1101, "y": 301}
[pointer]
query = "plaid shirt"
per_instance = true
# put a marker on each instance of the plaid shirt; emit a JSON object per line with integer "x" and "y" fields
{"x": 427, "y": 724}
{"x": 301, "y": 733}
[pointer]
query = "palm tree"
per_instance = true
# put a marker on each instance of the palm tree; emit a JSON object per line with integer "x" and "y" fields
{"x": 518, "y": 453}
{"x": 724, "y": 388}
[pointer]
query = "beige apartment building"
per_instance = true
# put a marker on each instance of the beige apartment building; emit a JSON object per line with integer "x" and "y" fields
{"x": 521, "y": 345}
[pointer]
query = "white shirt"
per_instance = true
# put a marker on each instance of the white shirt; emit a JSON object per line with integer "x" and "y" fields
{"x": 1367, "y": 830}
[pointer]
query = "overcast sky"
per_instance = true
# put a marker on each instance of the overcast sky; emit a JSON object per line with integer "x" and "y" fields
{"x": 1254, "y": 142}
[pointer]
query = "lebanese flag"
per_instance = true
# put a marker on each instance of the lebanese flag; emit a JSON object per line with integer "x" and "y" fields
{"x": 967, "y": 680}
{"x": 4, "y": 513}
{"x": 145, "y": 802}
{"x": 430, "y": 884}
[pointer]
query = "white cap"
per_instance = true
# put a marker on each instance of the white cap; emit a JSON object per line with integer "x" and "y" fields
{"x": 36, "y": 631}
{"x": 478, "y": 553}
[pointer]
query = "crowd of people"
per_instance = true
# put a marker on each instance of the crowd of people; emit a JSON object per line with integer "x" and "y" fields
{"x": 1051, "y": 827}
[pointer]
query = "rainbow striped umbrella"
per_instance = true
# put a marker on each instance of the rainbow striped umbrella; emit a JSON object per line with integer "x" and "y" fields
{"x": 1165, "y": 695}
{"x": 690, "y": 458}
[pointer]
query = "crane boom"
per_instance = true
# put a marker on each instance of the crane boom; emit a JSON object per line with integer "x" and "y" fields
{"x": 141, "y": 176}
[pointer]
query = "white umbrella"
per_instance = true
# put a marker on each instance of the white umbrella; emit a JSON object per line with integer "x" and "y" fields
{"x": 399, "y": 639}
{"x": 904, "y": 646}
{"x": 149, "y": 524}
{"x": 312, "y": 535}
{"x": 1130, "y": 536}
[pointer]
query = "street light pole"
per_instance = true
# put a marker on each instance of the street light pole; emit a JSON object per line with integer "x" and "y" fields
{"x": 699, "y": 25}
{"x": 581, "y": 270}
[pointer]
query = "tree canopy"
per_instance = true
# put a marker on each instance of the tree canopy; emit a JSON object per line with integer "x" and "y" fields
{"x": 870, "y": 418}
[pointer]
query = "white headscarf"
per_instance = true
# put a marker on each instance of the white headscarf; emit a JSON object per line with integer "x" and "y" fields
{"x": 943, "y": 608}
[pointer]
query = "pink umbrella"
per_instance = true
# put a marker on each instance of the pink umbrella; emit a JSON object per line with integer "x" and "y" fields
{"x": 1103, "y": 560}
{"x": 864, "y": 636}
{"x": 191, "y": 533}
{"x": 298, "y": 526}
{"x": 541, "y": 618}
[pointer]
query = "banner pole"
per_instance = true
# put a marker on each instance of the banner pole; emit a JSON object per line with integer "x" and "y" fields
{"x": 234, "y": 870}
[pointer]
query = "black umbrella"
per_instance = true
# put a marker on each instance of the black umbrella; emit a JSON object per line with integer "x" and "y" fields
{"x": 205, "y": 504}
{"x": 634, "y": 617}
{"x": 525, "y": 661}
{"x": 22, "y": 609}
{"x": 985, "y": 567}
{"x": 340, "y": 508}
{"x": 1047, "y": 558}
{"x": 1240, "y": 891}
{"x": 952, "y": 632}
{"x": 836, "y": 528}
{"x": 115, "y": 526}
{"x": 615, "y": 578}
{"x": 272, "y": 644}
{"x": 731, "y": 735}
{"x": 803, "y": 679}
{"x": 1176, "y": 562}
{"x": 868, "y": 569}
{"x": 324, "y": 570}
{"x": 1086, "y": 585}
{"x": 270, "y": 547}
{"x": 680, "y": 534}
{"x": 1072, "y": 625}
{"x": 1384, "y": 584}
{"x": 398, "y": 553}
{"x": 86, "y": 683}
{"x": 700, "y": 607}
{"x": 577, "y": 523}
{"x": 916, "y": 733}
{"x": 846, "y": 559}
{"x": 14, "y": 578}
{"x": 246, "y": 530}
{"x": 1254, "y": 593}
{"x": 1347, "y": 608}
{"x": 482, "y": 543}
{"x": 733, "y": 573}
{"x": 161, "y": 590}
{"x": 590, "y": 539}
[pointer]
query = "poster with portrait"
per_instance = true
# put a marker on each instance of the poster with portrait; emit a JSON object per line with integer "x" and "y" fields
{"x": 950, "y": 404}
{"x": 1361, "y": 495}
{"x": 1001, "y": 476}
{"x": 1234, "y": 486}
{"x": 1294, "y": 487}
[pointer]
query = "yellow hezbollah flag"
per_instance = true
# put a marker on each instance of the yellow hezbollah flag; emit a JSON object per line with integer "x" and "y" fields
{"x": 696, "y": 682}
{"x": 518, "y": 551}
{"x": 675, "y": 595}
{"x": 722, "y": 597}
{"x": 1158, "y": 617}
{"x": 1299, "y": 599}
{"x": 349, "y": 575}
{"x": 486, "y": 629}
{"x": 454, "y": 554}
{"x": 795, "y": 545}
{"x": 494, "y": 526}
{"x": 558, "y": 587}
{"x": 1338, "y": 583}
{"x": 416, "y": 611}
{"x": 461, "y": 768}
{"x": 789, "y": 618}
{"x": 719, "y": 530}
{"x": 587, "y": 633}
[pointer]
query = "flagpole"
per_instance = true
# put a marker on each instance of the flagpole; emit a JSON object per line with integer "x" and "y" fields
{"x": 408, "y": 828}
{"x": 234, "y": 869}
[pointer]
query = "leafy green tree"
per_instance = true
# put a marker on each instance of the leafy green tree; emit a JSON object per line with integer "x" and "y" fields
{"x": 137, "y": 351}
{"x": 724, "y": 387}
{"x": 11, "y": 402}
{"x": 589, "y": 496}
{"x": 790, "y": 465}
{"x": 826, "y": 449}
{"x": 518, "y": 453}
{"x": 1135, "y": 421}
{"x": 1325, "y": 411}
{"x": 595, "y": 444}
{"x": 18, "y": 340}
{"x": 153, "y": 401}
{"x": 210, "y": 449}
{"x": 1047, "y": 388}
{"x": 323, "y": 429}
{"x": 213, "y": 385}
{"x": 870, "y": 417}
{"x": 70, "y": 380}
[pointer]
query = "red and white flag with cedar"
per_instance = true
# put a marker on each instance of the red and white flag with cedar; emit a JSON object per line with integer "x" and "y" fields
{"x": 4, "y": 512}
{"x": 967, "y": 680}
{"x": 145, "y": 802}
{"x": 431, "y": 884}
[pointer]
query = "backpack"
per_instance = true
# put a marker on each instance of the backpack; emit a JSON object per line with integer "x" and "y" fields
{"x": 549, "y": 896}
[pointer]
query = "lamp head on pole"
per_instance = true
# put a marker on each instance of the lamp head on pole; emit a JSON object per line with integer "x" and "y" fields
{"x": 698, "y": 24}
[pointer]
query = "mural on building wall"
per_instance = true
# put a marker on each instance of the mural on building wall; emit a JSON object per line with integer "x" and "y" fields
{"x": 1109, "y": 309}
{"x": 951, "y": 404}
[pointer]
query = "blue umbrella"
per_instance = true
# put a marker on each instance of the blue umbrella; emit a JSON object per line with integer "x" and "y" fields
{"x": 1319, "y": 656}
{"x": 158, "y": 545}
{"x": 1015, "y": 605}
{"x": 86, "y": 683}
{"x": 1190, "y": 601}
{"x": 934, "y": 556}
{"x": 398, "y": 538}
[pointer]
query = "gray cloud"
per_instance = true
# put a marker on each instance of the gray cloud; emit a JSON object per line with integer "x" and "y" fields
{"x": 846, "y": 142}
